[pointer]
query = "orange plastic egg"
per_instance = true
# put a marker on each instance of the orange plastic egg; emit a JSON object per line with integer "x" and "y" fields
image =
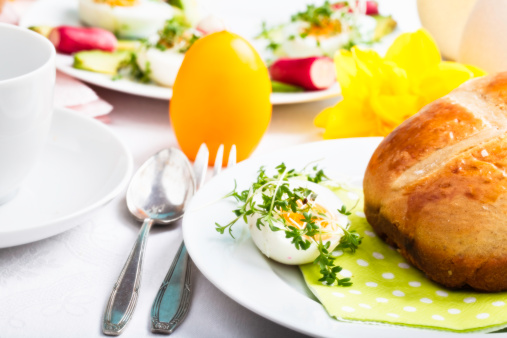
{"x": 221, "y": 96}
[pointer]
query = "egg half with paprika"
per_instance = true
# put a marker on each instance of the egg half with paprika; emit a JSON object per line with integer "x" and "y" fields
{"x": 221, "y": 96}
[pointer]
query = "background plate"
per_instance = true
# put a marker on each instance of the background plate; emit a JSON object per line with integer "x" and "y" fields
{"x": 242, "y": 17}
{"x": 83, "y": 166}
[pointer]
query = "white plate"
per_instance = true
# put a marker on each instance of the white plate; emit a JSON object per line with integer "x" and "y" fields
{"x": 83, "y": 167}
{"x": 65, "y": 12}
{"x": 238, "y": 269}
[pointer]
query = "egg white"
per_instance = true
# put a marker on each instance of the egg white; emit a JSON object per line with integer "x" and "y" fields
{"x": 164, "y": 65}
{"x": 274, "y": 245}
{"x": 130, "y": 22}
{"x": 295, "y": 46}
{"x": 299, "y": 47}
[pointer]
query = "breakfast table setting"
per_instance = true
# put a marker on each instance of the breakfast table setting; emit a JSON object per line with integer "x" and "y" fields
{"x": 252, "y": 169}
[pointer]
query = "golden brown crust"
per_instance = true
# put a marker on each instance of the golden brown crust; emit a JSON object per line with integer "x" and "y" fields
{"x": 436, "y": 187}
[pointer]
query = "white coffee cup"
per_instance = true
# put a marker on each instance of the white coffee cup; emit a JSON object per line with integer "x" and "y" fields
{"x": 27, "y": 78}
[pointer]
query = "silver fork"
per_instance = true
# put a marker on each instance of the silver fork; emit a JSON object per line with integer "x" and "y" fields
{"x": 173, "y": 298}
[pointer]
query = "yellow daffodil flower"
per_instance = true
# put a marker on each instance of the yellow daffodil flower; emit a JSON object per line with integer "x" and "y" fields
{"x": 379, "y": 93}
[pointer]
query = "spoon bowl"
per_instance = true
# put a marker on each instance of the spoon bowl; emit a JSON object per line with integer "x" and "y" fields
{"x": 162, "y": 187}
{"x": 158, "y": 193}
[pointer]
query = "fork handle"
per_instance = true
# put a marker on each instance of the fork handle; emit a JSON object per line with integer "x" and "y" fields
{"x": 123, "y": 299}
{"x": 173, "y": 298}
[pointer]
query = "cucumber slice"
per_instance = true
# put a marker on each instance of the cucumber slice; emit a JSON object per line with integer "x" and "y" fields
{"x": 100, "y": 61}
{"x": 280, "y": 87}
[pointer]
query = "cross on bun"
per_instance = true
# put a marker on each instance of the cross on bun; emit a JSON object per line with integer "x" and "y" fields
{"x": 436, "y": 187}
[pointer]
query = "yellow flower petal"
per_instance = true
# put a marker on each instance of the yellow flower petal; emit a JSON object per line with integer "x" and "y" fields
{"x": 476, "y": 70}
{"x": 394, "y": 109}
{"x": 448, "y": 76}
{"x": 345, "y": 67}
{"x": 379, "y": 93}
{"x": 321, "y": 119}
{"x": 416, "y": 52}
{"x": 394, "y": 79}
{"x": 346, "y": 119}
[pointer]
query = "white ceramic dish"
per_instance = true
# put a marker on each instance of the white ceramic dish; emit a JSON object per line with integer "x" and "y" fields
{"x": 272, "y": 290}
{"x": 83, "y": 166}
{"x": 60, "y": 12}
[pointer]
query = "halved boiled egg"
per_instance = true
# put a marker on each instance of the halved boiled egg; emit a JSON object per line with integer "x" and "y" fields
{"x": 162, "y": 65}
{"x": 300, "y": 39}
{"x": 162, "y": 60}
{"x": 131, "y": 19}
{"x": 324, "y": 205}
{"x": 298, "y": 45}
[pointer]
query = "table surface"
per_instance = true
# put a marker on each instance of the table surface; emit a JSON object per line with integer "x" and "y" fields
{"x": 58, "y": 287}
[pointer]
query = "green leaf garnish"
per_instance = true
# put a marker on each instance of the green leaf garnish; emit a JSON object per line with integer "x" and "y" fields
{"x": 278, "y": 200}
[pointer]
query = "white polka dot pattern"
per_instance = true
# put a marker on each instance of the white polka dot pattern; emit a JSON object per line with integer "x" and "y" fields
{"x": 346, "y": 273}
{"x": 387, "y": 275}
{"x": 404, "y": 266}
{"x": 370, "y": 233}
{"x": 348, "y": 309}
{"x": 362, "y": 262}
{"x": 353, "y": 196}
{"x": 387, "y": 289}
{"x": 337, "y": 253}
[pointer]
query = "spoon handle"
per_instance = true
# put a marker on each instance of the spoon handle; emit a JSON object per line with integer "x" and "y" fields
{"x": 123, "y": 299}
{"x": 173, "y": 298}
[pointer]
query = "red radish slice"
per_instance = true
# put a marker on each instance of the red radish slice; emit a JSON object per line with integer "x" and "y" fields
{"x": 313, "y": 73}
{"x": 371, "y": 7}
{"x": 68, "y": 39}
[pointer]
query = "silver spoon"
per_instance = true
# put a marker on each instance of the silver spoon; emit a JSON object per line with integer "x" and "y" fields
{"x": 158, "y": 193}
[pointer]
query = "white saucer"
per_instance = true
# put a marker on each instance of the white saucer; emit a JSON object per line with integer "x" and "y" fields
{"x": 83, "y": 167}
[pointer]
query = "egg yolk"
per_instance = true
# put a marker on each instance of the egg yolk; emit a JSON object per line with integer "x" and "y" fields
{"x": 326, "y": 27}
{"x": 121, "y": 3}
{"x": 328, "y": 224}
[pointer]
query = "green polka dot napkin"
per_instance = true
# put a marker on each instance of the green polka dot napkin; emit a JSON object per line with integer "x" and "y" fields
{"x": 387, "y": 289}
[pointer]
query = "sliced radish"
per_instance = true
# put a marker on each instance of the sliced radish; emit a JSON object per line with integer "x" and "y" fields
{"x": 68, "y": 39}
{"x": 371, "y": 7}
{"x": 313, "y": 73}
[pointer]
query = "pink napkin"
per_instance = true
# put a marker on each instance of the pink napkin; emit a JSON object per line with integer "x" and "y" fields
{"x": 69, "y": 92}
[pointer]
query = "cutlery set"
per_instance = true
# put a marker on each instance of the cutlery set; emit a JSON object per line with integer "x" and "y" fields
{"x": 159, "y": 193}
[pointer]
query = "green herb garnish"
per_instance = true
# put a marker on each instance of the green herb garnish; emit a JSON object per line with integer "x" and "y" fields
{"x": 279, "y": 200}
{"x": 315, "y": 15}
{"x": 170, "y": 33}
{"x": 130, "y": 69}
{"x": 177, "y": 32}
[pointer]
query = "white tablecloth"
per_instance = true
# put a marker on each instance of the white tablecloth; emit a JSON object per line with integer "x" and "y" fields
{"x": 58, "y": 287}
